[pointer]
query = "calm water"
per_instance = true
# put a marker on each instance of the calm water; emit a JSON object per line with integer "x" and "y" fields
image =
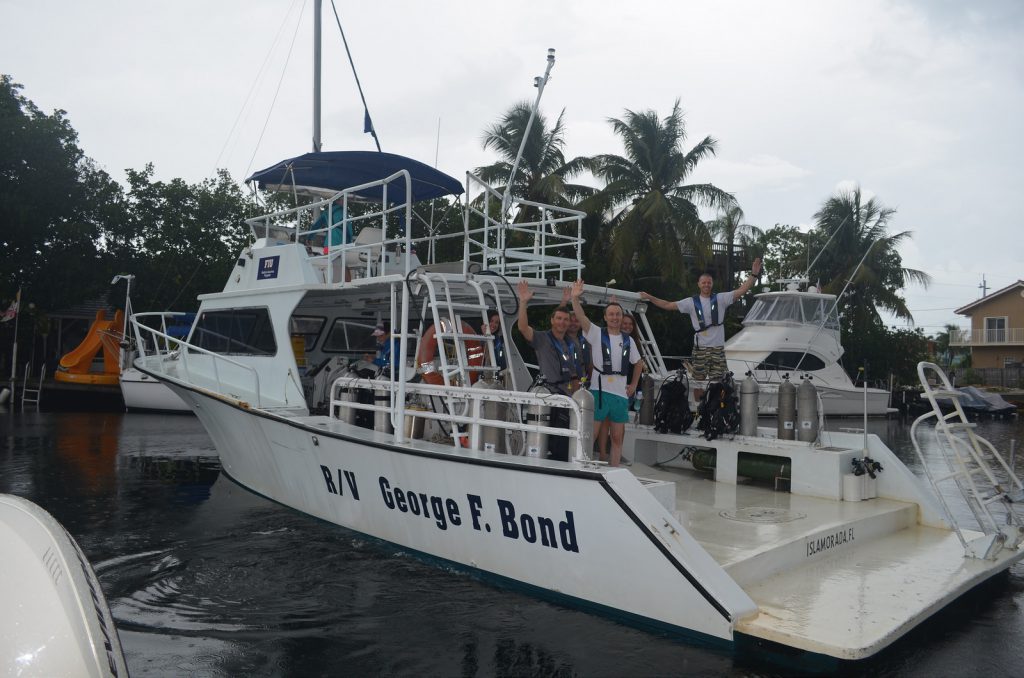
{"x": 207, "y": 579}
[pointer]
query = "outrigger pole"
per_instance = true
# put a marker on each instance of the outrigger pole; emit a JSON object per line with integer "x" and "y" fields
{"x": 317, "y": 6}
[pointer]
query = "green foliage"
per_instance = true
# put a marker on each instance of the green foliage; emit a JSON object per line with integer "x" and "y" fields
{"x": 53, "y": 202}
{"x": 66, "y": 226}
{"x": 783, "y": 250}
{"x": 179, "y": 239}
{"x": 971, "y": 378}
{"x": 860, "y": 231}
{"x": 654, "y": 222}
{"x": 883, "y": 352}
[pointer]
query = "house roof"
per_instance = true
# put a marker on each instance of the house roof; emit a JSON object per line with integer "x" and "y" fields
{"x": 966, "y": 310}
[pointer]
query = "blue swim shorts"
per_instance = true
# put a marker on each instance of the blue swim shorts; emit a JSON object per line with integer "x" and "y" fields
{"x": 610, "y": 406}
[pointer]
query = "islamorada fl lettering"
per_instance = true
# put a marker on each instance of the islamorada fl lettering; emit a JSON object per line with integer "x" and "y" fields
{"x": 448, "y": 512}
{"x": 829, "y": 541}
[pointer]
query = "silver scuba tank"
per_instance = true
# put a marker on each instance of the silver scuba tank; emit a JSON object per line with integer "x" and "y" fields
{"x": 348, "y": 394}
{"x": 585, "y": 399}
{"x": 537, "y": 415}
{"x": 749, "y": 391}
{"x": 787, "y": 409}
{"x": 650, "y": 397}
{"x": 807, "y": 411}
{"x": 382, "y": 418}
{"x": 492, "y": 438}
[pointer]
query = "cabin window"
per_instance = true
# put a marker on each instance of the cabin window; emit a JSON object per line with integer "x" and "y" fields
{"x": 346, "y": 335}
{"x": 791, "y": 360}
{"x": 236, "y": 331}
{"x": 308, "y": 327}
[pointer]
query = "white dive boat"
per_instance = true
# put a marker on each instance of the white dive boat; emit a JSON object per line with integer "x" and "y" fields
{"x": 743, "y": 539}
{"x": 795, "y": 333}
{"x": 56, "y": 621}
{"x": 141, "y": 392}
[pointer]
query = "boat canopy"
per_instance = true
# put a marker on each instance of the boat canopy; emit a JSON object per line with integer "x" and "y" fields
{"x": 334, "y": 171}
{"x": 800, "y": 308}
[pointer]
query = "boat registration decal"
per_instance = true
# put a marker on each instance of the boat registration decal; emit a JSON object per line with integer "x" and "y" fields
{"x": 268, "y": 267}
{"x": 829, "y": 541}
{"x": 448, "y": 512}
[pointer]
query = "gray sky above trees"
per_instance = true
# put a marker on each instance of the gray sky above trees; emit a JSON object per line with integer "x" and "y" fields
{"x": 919, "y": 102}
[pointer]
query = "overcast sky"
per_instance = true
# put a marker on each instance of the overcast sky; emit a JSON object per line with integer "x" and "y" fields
{"x": 920, "y": 103}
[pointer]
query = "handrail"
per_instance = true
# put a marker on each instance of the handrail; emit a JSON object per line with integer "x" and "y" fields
{"x": 182, "y": 353}
{"x": 473, "y": 397}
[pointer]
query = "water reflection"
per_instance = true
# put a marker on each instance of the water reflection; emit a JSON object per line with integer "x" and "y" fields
{"x": 206, "y": 578}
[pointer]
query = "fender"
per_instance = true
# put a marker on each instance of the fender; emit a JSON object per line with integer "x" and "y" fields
{"x": 475, "y": 353}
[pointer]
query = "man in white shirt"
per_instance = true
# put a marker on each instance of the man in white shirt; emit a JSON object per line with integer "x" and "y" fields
{"x": 707, "y": 313}
{"x": 617, "y": 370}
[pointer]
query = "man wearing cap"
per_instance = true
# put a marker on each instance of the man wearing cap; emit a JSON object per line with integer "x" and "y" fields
{"x": 382, "y": 359}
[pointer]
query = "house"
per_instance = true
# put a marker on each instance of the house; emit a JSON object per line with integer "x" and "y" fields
{"x": 996, "y": 337}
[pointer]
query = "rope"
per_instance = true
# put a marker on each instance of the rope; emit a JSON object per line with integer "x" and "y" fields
{"x": 368, "y": 123}
{"x": 278, "y": 90}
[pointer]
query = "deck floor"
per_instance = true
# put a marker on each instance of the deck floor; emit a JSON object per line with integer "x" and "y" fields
{"x": 849, "y": 603}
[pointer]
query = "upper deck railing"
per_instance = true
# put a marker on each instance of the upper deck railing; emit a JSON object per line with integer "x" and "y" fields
{"x": 990, "y": 337}
{"x": 539, "y": 241}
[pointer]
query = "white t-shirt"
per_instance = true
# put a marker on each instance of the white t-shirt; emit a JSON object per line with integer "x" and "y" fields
{"x": 712, "y": 336}
{"x": 610, "y": 383}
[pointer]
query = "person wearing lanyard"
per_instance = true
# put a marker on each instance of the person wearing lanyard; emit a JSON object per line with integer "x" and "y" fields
{"x": 616, "y": 374}
{"x": 558, "y": 368}
{"x": 707, "y": 313}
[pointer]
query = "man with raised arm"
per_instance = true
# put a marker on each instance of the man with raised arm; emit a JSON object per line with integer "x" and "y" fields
{"x": 707, "y": 312}
{"x": 559, "y": 369}
{"x": 617, "y": 370}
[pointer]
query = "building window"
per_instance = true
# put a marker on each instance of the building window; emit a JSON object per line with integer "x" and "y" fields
{"x": 995, "y": 330}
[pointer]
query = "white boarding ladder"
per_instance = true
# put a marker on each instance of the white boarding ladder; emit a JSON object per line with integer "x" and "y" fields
{"x": 29, "y": 394}
{"x": 450, "y": 311}
{"x": 973, "y": 464}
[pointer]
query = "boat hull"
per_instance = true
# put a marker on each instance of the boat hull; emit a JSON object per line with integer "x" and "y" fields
{"x": 568, "y": 530}
{"x": 142, "y": 392}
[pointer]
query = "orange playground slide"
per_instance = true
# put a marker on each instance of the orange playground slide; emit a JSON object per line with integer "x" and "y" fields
{"x": 76, "y": 366}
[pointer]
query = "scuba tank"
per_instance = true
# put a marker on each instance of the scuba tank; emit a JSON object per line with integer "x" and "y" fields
{"x": 585, "y": 399}
{"x": 382, "y": 418}
{"x": 650, "y": 397}
{"x": 492, "y": 438}
{"x": 347, "y": 395}
{"x": 807, "y": 411}
{"x": 787, "y": 409}
{"x": 748, "y": 405}
{"x": 538, "y": 415}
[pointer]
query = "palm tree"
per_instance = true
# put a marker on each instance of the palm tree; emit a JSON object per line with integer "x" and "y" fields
{"x": 543, "y": 175}
{"x": 653, "y": 213}
{"x": 858, "y": 227}
{"x": 729, "y": 227}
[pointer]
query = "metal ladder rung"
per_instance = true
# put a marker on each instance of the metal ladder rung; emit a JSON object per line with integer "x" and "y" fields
{"x": 465, "y": 336}
{"x": 947, "y": 394}
{"x": 959, "y": 425}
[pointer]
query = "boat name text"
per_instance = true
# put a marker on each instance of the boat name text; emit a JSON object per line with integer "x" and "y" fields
{"x": 446, "y": 512}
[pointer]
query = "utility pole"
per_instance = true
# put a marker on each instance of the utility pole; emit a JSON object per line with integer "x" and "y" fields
{"x": 983, "y": 286}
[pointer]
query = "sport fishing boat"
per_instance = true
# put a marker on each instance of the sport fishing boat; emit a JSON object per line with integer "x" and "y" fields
{"x": 794, "y": 334}
{"x": 743, "y": 539}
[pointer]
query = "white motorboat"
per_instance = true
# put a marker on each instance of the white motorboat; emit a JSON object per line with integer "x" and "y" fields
{"x": 735, "y": 539}
{"x": 141, "y": 392}
{"x": 56, "y": 621}
{"x": 794, "y": 333}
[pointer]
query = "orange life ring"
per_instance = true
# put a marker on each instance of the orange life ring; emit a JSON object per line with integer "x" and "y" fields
{"x": 475, "y": 353}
